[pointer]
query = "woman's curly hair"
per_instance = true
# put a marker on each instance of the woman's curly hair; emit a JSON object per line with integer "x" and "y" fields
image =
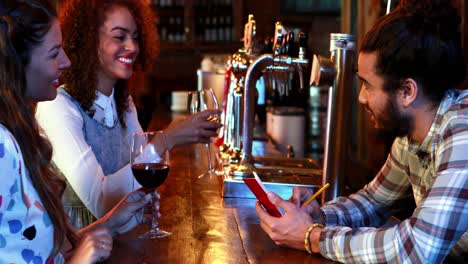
{"x": 80, "y": 21}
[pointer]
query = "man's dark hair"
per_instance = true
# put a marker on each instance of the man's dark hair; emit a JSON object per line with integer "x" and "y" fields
{"x": 421, "y": 40}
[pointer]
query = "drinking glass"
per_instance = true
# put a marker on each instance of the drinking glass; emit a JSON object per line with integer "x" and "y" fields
{"x": 150, "y": 169}
{"x": 199, "y": 101}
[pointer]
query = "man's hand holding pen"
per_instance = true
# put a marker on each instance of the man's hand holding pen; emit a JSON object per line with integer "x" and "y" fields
{"x": 306, "y": 200}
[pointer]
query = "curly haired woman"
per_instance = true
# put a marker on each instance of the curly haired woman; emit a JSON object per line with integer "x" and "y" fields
{"x": 91, "y": 122}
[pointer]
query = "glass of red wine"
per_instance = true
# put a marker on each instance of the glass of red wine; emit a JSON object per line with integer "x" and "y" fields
{"x": 150, "y": 168}
{"x": 199, "y": 101}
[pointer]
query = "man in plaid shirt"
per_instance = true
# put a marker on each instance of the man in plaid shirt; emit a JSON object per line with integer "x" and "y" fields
{"x": 409, "y": 63}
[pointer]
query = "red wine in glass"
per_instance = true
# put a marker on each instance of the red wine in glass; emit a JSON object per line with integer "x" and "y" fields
{"x": 150, "y": 175}
{"x": 150, "y": 169}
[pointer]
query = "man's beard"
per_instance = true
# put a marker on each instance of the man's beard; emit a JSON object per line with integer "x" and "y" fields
{"x": 393, "y": 123}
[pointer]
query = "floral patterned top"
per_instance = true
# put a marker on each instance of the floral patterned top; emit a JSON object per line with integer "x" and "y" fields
{"x": 26, "y": 231}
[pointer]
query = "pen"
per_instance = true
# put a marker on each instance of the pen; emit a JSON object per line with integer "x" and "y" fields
{"x": 315, "y": 195}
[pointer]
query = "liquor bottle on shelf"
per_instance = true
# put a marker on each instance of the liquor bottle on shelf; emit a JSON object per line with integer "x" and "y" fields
{"x": 207, "y": 29}
{"x": 228, "y": 29}
{"x": 199, "y": 28}
{"x": 171, "y": 31}
{"x": 220, "y": 29}
{"x": 179, "y": 29}
{"x": 162, "y": 27}
{"x": 213, "y": 30}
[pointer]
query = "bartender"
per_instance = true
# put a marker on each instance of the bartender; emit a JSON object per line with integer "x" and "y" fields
{"x": 410, "y": 63}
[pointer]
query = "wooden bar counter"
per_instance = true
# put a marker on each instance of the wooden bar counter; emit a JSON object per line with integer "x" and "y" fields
{"x": 206, "y": 228}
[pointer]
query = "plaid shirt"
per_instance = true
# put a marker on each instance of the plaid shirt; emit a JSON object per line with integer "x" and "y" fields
{"x": 436, "y": 172}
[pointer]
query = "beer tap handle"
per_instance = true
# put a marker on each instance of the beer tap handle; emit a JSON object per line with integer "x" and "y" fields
{"x": 250, "y": 30}
{"x": 268, "y": 45}
{"x": 302, "y": 45}
{"x": 278, "y": 39}
{"x": 290, "y": 49}
{"x": 284, "y": 45}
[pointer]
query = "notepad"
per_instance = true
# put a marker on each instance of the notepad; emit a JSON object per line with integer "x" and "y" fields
{"x": 258, "y": 189}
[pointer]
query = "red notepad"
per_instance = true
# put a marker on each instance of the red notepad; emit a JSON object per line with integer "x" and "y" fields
{"x": 257, "y": 188}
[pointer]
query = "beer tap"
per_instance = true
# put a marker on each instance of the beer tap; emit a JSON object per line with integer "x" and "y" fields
{"x": 273, "y": 62}
{"x": 239, "y": 64}
{"x": 336, "y": 73}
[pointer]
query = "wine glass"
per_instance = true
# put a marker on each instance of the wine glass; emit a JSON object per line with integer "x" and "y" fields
{"x": 199, "y": 101}
{"x": 150, "y": 169}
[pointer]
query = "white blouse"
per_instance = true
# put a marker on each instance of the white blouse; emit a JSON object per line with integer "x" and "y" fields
{"x": 106, "y": 110}
{"x": 62, "y": 122}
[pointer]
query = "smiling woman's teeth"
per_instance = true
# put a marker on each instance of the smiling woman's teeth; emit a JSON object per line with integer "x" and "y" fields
{"x": 125, "y": 60}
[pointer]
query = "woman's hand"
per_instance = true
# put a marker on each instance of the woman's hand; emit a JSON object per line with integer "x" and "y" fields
{"x": 193, "y": 129}
{"x": 129, "y": 212}
{"x": 94, "y": 246}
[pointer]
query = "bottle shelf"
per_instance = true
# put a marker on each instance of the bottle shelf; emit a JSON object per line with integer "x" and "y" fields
{"x": 198, "y": 46}
{"x": 198, "y": 23}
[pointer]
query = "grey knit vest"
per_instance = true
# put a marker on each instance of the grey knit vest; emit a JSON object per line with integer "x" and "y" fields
{"x": 111, "y": 147}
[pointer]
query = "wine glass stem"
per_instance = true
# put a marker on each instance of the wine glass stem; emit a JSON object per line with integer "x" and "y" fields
{"x": 210, "y": 166}
{"x": 154, "y": 218}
